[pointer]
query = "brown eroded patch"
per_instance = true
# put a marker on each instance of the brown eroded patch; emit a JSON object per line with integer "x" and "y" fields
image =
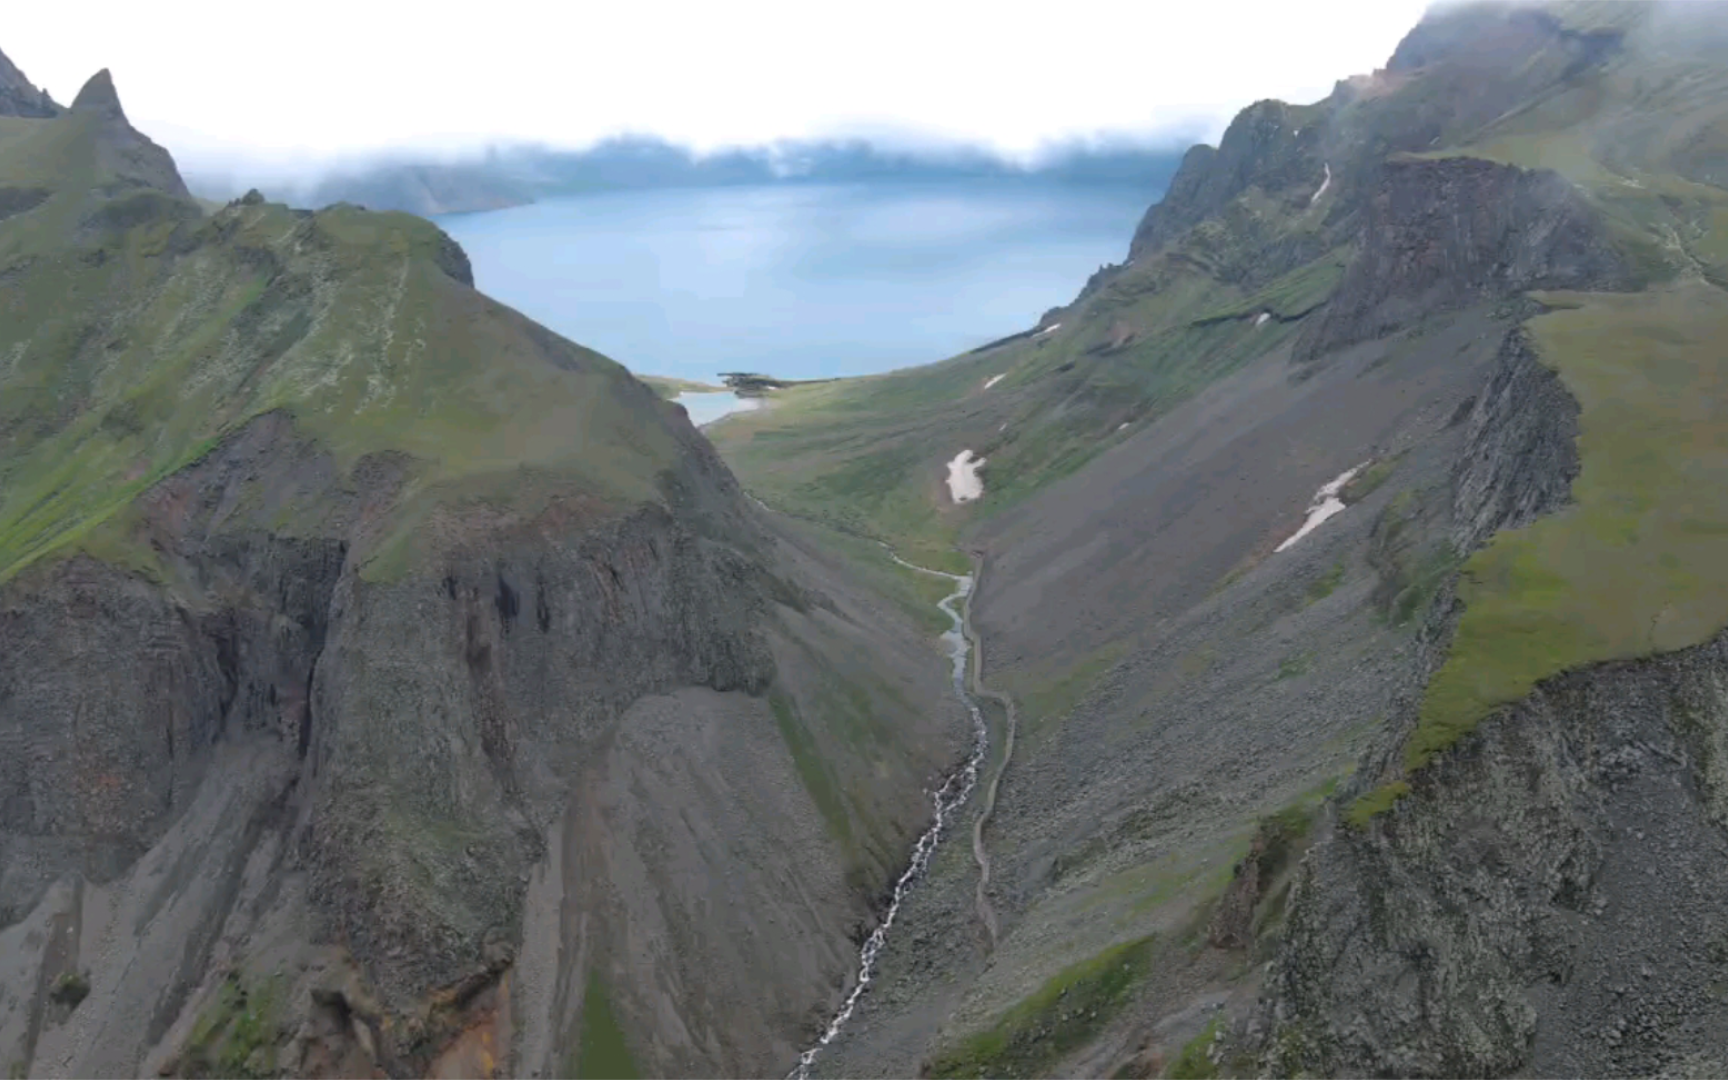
{"x": 481, "y": 1045}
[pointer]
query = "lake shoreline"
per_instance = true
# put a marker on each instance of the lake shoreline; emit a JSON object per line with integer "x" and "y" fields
{"x": 807, "y": 281}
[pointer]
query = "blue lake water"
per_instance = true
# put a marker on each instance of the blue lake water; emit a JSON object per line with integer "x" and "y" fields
{"x": 797, "y": 281}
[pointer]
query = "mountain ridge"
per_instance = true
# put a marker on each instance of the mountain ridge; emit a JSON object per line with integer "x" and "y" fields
{"x": 372, "y": 659}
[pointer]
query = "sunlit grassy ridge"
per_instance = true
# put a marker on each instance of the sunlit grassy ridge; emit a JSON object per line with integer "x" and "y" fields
{"x": 135, "y": 332}
{"x": 1636, "y": 565}
{"x": 1633, "y": 567}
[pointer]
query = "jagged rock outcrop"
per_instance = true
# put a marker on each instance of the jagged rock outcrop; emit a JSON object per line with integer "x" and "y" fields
{"x": 1441, "y": 235}
{"x": 1264, "y": 147}
{"x": 18, "y": 97}
{"x": 1546, "y": 902}
{"x": 1522, "y": 450}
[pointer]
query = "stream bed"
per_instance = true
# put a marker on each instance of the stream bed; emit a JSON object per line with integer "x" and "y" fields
{"x": 947, "y": 799}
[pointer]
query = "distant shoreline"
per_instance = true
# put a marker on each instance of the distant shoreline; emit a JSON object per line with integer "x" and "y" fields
{"x": 668, "y": 386}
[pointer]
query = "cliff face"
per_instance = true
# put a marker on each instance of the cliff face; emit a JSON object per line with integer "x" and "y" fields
{"x": 1552, "y": 907}
{"x": 388, "y": 684}
{"x": 1442, "y": 235}
{"x": 1521, "y": 456}
{"x": 1263, "y": 147}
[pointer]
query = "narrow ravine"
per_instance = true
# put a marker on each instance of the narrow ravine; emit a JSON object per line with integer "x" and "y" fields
{"x": 948, "y": 798}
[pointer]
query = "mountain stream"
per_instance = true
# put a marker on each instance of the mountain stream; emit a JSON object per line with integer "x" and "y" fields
{"x": 948, "y": 798}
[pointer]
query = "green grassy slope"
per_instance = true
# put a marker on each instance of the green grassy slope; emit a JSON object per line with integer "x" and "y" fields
{"x": 135, "y": 332}
{"x": 603, "y": 1052}
{"x": 1633, "y": 567}
{"x": 1628, "y": 570}
{"x": 1064, "y": 1013}
{"x": 869, "y": 455}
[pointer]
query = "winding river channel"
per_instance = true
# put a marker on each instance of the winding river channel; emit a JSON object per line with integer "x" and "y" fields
{"x": 948, "y": 799}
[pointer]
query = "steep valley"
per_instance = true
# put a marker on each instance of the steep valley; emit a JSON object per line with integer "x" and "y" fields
{"x": 390, "y": 686}
{"x": 1431, "y": 788}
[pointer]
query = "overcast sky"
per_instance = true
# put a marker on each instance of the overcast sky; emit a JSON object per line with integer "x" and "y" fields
{"x": 312, "y": 80}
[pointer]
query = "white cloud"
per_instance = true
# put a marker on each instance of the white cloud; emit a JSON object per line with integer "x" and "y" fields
{"x": 317, "y": 79}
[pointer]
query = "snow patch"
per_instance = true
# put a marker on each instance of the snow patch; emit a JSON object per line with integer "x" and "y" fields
{"x": 964, "y": 483}
{"x": 706, "y": 407}
{"x": 1326, "y": 504}
{"x": 1051, "y": 329}
{"x": 992, "y": 381}
{"x": 1004, "y": 426}
{"x": 1262, "y": 317}
{"x": 1122, "y": 426}
{"x": 1324, "y": 184}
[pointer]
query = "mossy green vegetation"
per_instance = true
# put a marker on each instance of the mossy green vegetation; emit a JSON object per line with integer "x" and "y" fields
{"x": 1366, "y": 807}
{"x": 1291, "y": 296}
{"x": 1411, "y": 569}
{"x": 836, "y": 718}
{"x": 1193, "y": 1062}
{"x": 137, "y": 332}
{"x": 1368, "y": 481}
{"x": 1635, "y": 565}
{"x": 1416, "y": 584}
{"x": 812, "y": 768}
{"x": 603, "y": 1053}
{"x": 1326, "y": 584}
{"x": 237, "y": 1034}
{"x": 1035, "y": 1034}
{"x": 1047, "y": 693}
{"x": 70, "y": 988}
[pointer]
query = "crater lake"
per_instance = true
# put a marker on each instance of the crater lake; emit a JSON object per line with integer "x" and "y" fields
{"x": 799, "y": 281}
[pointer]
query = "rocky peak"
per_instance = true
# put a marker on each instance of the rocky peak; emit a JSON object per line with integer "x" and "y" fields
{"x": 99, "y": 93}
{"x": 129, "y": 158}
{"x": 1261, "y": 148}
{"x": 18, "y": 97}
